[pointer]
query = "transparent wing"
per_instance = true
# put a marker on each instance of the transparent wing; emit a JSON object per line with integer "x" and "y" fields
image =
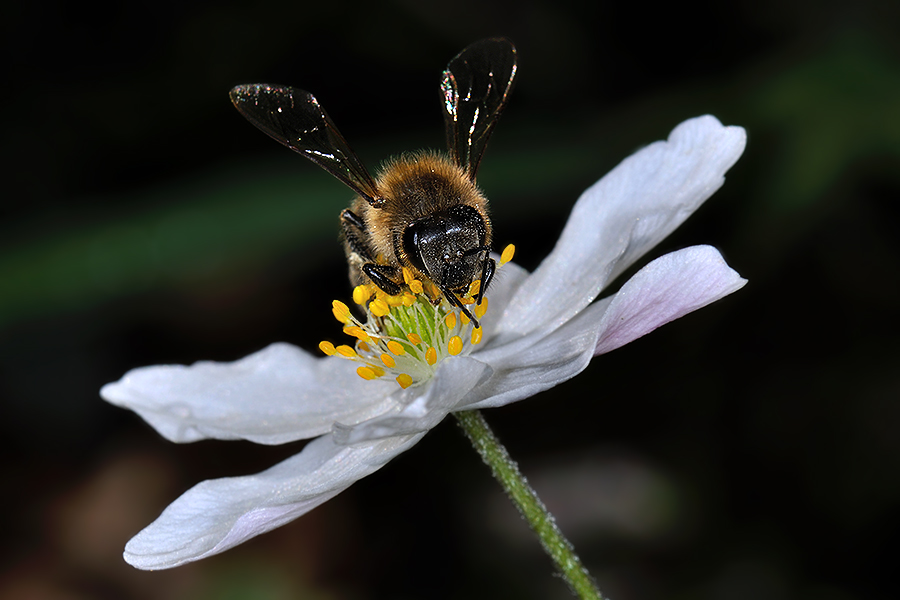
{"x": 474, "y": 90}
{"x": 295, "y": 118}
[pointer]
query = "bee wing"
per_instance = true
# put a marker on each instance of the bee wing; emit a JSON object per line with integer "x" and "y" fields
{"x": 474, "y": 89}
{"x": 295, "y": 118}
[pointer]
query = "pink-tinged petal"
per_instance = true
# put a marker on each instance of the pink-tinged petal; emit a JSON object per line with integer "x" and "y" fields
{"x": 277, "y": 395}
{"x": 668, "y": 288}
{"x": 219, "y": 514}
{"x": 623, "y": 216}
{"x": 425, "y": 407}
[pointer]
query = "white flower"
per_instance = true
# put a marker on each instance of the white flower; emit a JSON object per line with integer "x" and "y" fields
{"x": 543, "y": 329}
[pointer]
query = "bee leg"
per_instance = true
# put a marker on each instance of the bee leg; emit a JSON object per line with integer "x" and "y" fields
{"x": 381, "y": 276}
{"x": 354, "y": 230}
{"x": 488, "y": 268}
{"x": 452, "y": 299}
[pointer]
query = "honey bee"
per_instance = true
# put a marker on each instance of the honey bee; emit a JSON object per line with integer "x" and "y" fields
{"x": 424, "y": 211}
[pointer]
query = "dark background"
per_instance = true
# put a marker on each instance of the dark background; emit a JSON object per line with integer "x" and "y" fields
{"x": 746, "y": 451}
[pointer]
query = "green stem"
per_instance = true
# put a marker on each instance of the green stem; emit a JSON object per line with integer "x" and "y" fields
{"x": 526, "y": 500}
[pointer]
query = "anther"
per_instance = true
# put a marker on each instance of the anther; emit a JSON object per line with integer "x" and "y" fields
{"x": 357, "y": 332}
{"x": 507, "y": 255}
{"x": 396, "y": 348}
{"x": 366, "y": 373}
{"x": 347, "y": 351}
{"x": 455, "y": 346}
{"x": 379, "y": 307}
{"x": 361, "y": 294}
{"x": 340, "y": 311}
{"x": 481, "y": 308}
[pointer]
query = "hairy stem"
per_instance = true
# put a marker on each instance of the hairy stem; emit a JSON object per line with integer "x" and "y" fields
{"x": 526, "y": 500}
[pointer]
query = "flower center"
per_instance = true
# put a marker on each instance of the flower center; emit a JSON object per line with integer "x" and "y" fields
{"x": 407, "y": 336}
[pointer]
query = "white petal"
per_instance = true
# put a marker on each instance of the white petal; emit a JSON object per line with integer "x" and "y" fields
{"x": 221, "y": 513}
{"x": 455, "y": 377}
{"x": 277, "y": 395}
{"x": 623, "y": 216}
{"x": 532, "y": 364}
{"x": 668, "y": 288}
{"x": 503, "y": 289}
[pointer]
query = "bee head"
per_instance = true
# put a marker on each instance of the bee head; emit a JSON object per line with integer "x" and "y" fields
{"x": 449, "y": 246}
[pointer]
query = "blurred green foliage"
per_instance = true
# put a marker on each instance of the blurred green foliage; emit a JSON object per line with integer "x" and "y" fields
{"x": 821, "y": 116}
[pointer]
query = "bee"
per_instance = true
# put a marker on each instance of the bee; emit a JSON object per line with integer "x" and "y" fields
{"x": 424, "y": 211}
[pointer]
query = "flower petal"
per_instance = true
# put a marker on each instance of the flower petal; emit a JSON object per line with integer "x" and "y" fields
{"x": 503, "y": 289}
{"x": 623, "y": 216}
{"x": 532, "y": 364}
{"x": 218, "y": 514}
{"x": 668, "y": 288}
{"x": 277, "y": 395}
{"x": 454, "y": 378}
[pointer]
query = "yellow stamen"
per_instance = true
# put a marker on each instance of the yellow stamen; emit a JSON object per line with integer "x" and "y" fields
{"x": 455, "y": 346}
{"x": 347, "y": 351}
{"x": 394, "y": 300}
{"x": 379, "y": 307}
{"x": 415, "y": 286}
{"x": 431, "y": 356}
{"x": 450, "y": 320}
{"x": 407, "y": 275}
{"x": 363, "y": 347}
{"x": 507, "y": 255}
{"x": 376, "y": 369}
{"x": 465, "y": 320}
{"x": 327, "y": 348}
{"x": 481, "y": 308}
{"x": 404, "y": 380}
{"x": 340, "y": 311}
{"x": 474, "y": 287}
{"x": 357, "y": 332}
{"x": 366, "y": 373}
{"x": 467, "y": 300}
{"x": 361, "y": 294}
{"x": 432, "y": 290}
{"x": 396, "y": 347}
{"x": 476, "y": 335}
{"x": 414, "y": 338}
{"x": 409, "y": 299}
{"x": 388, "y": 361}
